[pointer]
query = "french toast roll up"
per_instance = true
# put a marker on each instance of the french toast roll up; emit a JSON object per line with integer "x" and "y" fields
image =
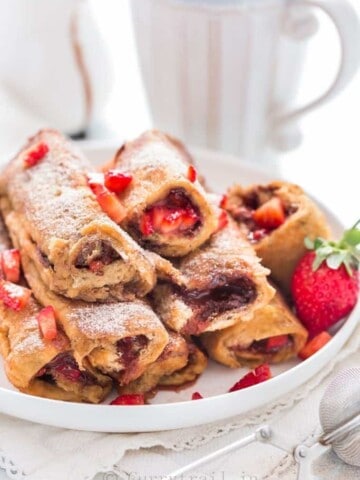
{"x": 167, "y": 208}
{"x": 181, "y": 362}
{"x": 77, "y": 249}
{"x": 224, "y": 281}
{"x": 273, "y": 335}
{"x": 118, "y": 338}
{"x": 277, "y": 218}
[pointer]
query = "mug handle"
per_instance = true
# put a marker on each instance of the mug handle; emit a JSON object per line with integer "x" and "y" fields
{"x": 347, "y": 25}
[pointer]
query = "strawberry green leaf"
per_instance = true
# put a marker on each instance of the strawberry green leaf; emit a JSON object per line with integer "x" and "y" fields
{"x": 309, "y": 244}
{"x": 334, "y": 260}
{"x": 352, "y": 237}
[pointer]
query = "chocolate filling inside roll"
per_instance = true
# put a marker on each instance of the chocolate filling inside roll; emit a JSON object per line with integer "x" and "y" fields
{"x": 250, "y": 202}
{"x": 176, "y": 214}
{"x": 129, "y": 349}
{"x": 64, "y": 370}
{"x": 223, "y": 295}
{"x": 121, "y": 360}
{"x": 96, "y": 251}
{"x": 268, "y": 346}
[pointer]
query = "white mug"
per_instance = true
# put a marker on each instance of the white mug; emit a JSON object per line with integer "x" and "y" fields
{"x": 53, "y": 63}
{"x": 224, "y": 74}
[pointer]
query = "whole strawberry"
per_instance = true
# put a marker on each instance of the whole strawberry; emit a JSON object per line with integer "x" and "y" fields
{"x": 325, "y": 283}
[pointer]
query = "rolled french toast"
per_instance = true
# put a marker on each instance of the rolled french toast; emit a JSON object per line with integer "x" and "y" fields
{"x": 67, "y": 232}
{"x": 181, "y": 362}
{"x": 281, "y": 246}
{"x": 273, "y": 335}
{"x": 167, "y": 208}
{"x": 224, "y": 281}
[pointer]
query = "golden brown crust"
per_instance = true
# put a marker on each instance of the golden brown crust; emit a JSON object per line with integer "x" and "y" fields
{"x": 158, "y": 164}
{"x": 196, "y": 364}
{"x": 227, "y": 258}
{"x": 231, "y": 346}
{"x": 281, "y": 250}
{"x": 56, "y": 210}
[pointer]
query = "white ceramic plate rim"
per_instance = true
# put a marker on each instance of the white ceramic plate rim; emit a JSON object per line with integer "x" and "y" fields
{"x": 168, "y": 416}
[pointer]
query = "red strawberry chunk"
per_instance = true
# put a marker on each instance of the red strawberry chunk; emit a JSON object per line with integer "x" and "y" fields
{"x": 257, "y": 235}
{"x": 192, "y": 173}
{"x": 260, "y": 374}
{"x": 117, "y": 181}
{"x": 10, "y": 264}
{"x": 196, "y": 396}
{"x": 35, "y": 154}
{"x": 276, "y": 343}
{"x": 14, "y": 296}
{"x": 314, "y": 345}
{"x": 146, "y": 224}
{"x": 47, "y": 323}
{"x": 129, "y": 399}
{"x": 223, "y": 220}
{"x": 223, "y": 201}
{"x": 96, "y": 182}
{"x": 270, "y": 215}
{"x": 111, "y": 205}
{"x": 97, "y": 267}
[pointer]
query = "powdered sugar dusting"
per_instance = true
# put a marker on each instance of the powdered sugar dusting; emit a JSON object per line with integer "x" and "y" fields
{"x": 114, "y": 319}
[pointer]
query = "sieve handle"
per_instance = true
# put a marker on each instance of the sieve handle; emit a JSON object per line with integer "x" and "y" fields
{"x": 305, "y": 457}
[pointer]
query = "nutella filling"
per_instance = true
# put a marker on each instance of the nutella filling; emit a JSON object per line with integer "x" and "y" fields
{"x": 129, "y": 349}
{"x": 64, "y": 368}
{"x": 269, "y": 346}
{"x": 96, "y": 251}
{"x": 223, "y": 295}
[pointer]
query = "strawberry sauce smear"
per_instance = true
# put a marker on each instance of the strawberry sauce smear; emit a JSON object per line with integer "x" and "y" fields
{"x": 174, "y": 215}
{"x": 223, "y": 295}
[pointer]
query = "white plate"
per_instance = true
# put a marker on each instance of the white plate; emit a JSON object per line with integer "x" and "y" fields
{"x": 171, "y": 410}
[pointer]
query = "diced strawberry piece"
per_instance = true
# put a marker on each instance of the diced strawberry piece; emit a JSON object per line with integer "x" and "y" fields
{"x": 188, "y": 219}
{"x": 68, "y": 370}
{"x": 223, "y": 220}
{"x": 117, "y": 181}
{"x": 196, "y": 396}
{"x": 146, "y": 224}
{"x": 129, "y": 399}
{"x": 192, "y": 173}
{"x": 35, "y": 154}
{"x": 47, "y": 322}
{"x": 14, "y": 296}
{"x": 271, "y": 214}
{"x": 97, "y": 267}
{"x": 41, "y": 372}
{"x": 276, "y": 343}
{"x": 158, "y": 214}
{"x": 223, "y": 201}
{"x": 314, "y": 345}
{"x": 96, "y": 182}
{"x": 10, "y": 264}
{"x": 260, "y": 374}
{"x": 111, "y": 205}
{"x": 257, "y": 235}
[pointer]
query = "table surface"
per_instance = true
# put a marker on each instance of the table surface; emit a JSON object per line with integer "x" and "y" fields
{"x": 326, "y": 164}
